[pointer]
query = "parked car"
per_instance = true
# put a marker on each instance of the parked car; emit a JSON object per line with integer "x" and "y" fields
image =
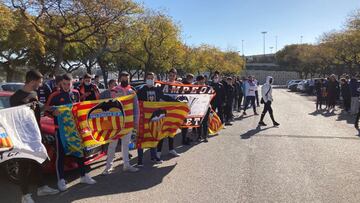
{"x": 293, "y": 86}
{"x": 292, "y": 82}
{"x": 11, "y": 86}
{"x": 301, "y": 86}
{"x": 48, "y": 133}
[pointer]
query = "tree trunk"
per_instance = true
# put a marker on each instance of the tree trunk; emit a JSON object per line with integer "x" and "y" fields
{"x": 103, "y": 67}
{"x": 9, "y": 73}
{"x": 59, "y": 55}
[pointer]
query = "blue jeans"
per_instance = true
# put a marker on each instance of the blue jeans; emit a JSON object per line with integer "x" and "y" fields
{"x": 141, "y": 154}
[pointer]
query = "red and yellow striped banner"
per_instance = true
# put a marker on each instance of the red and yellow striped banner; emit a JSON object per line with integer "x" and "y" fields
{"x": 159, "y": 120}
{"x": 100, "y": 121}
{"x": 215, "y": 124}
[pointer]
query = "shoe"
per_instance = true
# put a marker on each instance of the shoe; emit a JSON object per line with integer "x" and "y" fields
{"x": 158, "y": 154}
{"x": 108, "y": 171}
{"x": 174, "y": 153}
{"x": 256, "y": 114}
{"x": 276, "y": 124}
{"x": 228, "y": 123}
{"x": 223, "y": 127}
{"x": 62, "y": 185}
{"x": 130, "y": 169}
{"x": 206, "y": 140}
{"x": 27, "y": 199}
{"x": 244, "y": 113}
{"x": 261, "y": 123}
{"x": 86, "y": 179}
{"x": 46, "y": 190}
{"x": 357, "y": 126}
{"x": 139, "y": 165}
{"x": 157, "y": 161}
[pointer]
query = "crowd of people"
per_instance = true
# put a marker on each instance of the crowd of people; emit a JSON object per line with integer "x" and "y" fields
{"x": 232, "y": 94}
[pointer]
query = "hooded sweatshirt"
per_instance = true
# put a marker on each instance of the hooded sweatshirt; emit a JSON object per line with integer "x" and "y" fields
{"x": 267, "y": 88}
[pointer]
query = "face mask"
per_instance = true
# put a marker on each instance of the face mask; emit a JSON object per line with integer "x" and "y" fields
{"x": 124, "y": 83}
{"x": 87, "y": 83}
{"x": 216, "y": 80}
{"x": 150, "y": 82}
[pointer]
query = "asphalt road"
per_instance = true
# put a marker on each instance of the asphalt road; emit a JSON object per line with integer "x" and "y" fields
{"x": 311, "y": 157}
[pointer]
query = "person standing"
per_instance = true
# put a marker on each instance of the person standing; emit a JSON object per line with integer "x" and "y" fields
{"x": 87, "y": 90}
{"x": 241, "y": 94}
{"x": 346, "y": 94}
{"x": 172, "y": 75}
{"x": 256, "y": 91}
{"x": 319, "y": 93}
{"x": 30, "y": 172}
{"x": 98, "y": 83}
{"x": 332, "y": 92}
{"x": 122, "y": 89}
{"x": 150, "y": 93}
{"x": 66, "y": 95}
{"x": 354, "y": 95}
{"x": 250, "y": 88}
{"x": 218, "y": 101}
{"x": 266, "y": 93}
{"x": 229, "y": 99}
{"x": 184, "y": 131}
{"x": 43, "y": 92}
{"x": 203, "y": 130}
{"x": 107, "y": 94}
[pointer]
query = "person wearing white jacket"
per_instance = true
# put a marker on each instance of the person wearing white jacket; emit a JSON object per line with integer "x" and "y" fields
{"x": 266, "y": 92}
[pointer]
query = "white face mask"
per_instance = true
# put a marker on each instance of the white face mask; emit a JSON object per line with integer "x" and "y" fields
{"x": 216, "y": 80}
{"x": 150, "y": 82}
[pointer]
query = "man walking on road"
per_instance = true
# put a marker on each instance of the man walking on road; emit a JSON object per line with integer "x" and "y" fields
{"x": 266, "y": 92}
{"x": 250, "y": 88}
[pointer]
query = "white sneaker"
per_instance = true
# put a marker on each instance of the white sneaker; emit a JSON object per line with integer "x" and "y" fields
{"x": 108, "y": 171}
{"x": 130, "y": 169}
{"x": 174, "y": 153}
{"x": 86, "y": 179}
{"x": 27, "y": 199}
{"x": 62, "y": 185}
{"x": 158, "y": 154}
{"x": 46, "y": 190}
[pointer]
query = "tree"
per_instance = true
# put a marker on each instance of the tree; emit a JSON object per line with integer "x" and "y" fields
{"x": 19, "y": 46}
{"x": 72, "y": 21}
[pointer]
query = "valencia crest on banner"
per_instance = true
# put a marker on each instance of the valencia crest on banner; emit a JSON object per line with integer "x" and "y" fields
{"x": 159, "y": 120}
{"x": 92, "y": 123}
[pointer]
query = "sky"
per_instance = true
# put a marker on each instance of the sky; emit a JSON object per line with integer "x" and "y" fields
{"x": 226, "y": 23}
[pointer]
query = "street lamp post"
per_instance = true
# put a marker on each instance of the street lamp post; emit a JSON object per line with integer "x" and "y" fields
{"x": 301, "y": 39}
{"x": 242, "y": 47}
{"x": 264, "y": 33}
{"x": 276, "y": 40}
{"x": 271, "y": 48}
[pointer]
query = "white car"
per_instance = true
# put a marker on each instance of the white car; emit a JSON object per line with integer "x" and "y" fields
{"x": 301, "y": 86}
{"x": 11, "y": 86}
{"x": 292, "y": 82}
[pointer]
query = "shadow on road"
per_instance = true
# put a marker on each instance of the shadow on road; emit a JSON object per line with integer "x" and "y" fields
{"x": 253, "y": 132}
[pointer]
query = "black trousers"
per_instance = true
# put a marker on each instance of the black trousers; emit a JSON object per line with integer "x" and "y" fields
{"x": 240, "y": 101}
{"x": 218, "y": 108}
{"x": 171, "y": 144}
{"x": 347, "y": 103}
{"x": 319, "y": 101}
{"x": 30, "y": 172}
{"x": 250, "y": 99}
{"x": 257, "y": 97}
{"x": 228, "y": 111}
{"x": 267, "y": 108}
{"x": 203, "y": 130}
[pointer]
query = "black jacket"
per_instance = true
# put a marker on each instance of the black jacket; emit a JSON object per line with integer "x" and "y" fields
{"x": 146, "y": 93}
{"x": 220, "y": 94}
